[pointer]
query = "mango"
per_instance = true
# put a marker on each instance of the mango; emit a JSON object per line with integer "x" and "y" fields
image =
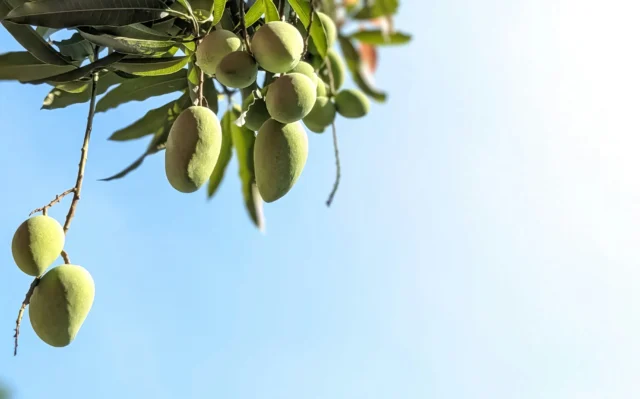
{"x": 193, "y": 148}
{"x": 37, "y": 243}
{"x": 290, "y": 97}
{"x": 330, "y": 30}
{"x": 322, "y": 114}
{"x": 352, "y": 103}
{"x": 237, "y": 70}
{"x": 307, "y": 70}
{"x": 214, "y": 47}
{"x": 277, "y": 46}
{"x": 280, "y": 154}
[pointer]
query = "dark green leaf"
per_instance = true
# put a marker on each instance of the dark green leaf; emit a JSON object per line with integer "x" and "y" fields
{"x": 218, "y": 10}
{"x": 225, "y": 153}
{"x": 148, "y": 124}
{"x": 23, "y": 66}
{"x": 166, "y": 27}
{"x": 210, "y": 94}
{"x": 270, "y": 11}
{"x": 142, "y": 88}
{"x": 151, "y": 66}
{"x": 377, "y": 9}
{"x": 377, "y": 37}
{"x": 73, "y": 13}
{"x": 355, "y": 66}
{"x": 254, "y": 13}
{"x": 76, "y": 47}
{"x": 46, "y": 32}
{"x": 80, "y": 72}
{"x": 58, "y": 98}
{"x": 243, "y": 141}
{"x": 127, "y": 45}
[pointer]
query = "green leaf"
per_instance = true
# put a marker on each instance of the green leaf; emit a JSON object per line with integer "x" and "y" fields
{"x": 76, "y": 47}
{"x": 193, "y": 77}
{"x": 80, "y": 72}
{"x": 225, "y": 153}
{"x": 160, "y": 136}
{"x": 243, "y": 141}
{"x": 142, "y": 88}
{"x": 73, "y": 13}
{"x": 319, "y": 36}
{"x": 218, "y": 10}
{"x": 23, "y": 66}
{"x": 46, "y": 32}
{"x": 355, "y": 66}
{"x": 128, "y": 45}
{"x": 59, "y": 98}
{"x": 210, "y": 94}
{"x": 377, "y": 9}
{"x": 302, "y": 10}
{"x": 377, "y": 37}
{"x": 254, "y": 13}
{"x": 151, "y": 66}
{"x": 271, "y": 11}
{"x": 148, "y": 124}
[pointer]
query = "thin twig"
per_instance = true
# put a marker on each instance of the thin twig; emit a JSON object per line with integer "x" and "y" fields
{"x": 337, "y": 154}
{"x": 244, "y": 27}
{"x": 25, "y": 303}
{"x": 57, "y": 199}
{"x": 306, "y": 38}
{"x": 65, "y": 257}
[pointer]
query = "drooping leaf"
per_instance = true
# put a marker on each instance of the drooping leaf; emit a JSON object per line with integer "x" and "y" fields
{"x": 376, "y": 9}
{"x": 151, "y": 66}
{"x": 76, "y": 47}
{"x": 159, "y": 138}
{"x": 142, "y": 88}
{"x": 148, "y": 124}
{"x": 270, "y": 11}
{"x": 218, "y": 10}
{"x": 210, "y": 94}
{"x": 74, "y": 13}
{"x": 355, "y": 66}
{"x": 377, "y": 37}
{"x": 58, "y": 98}
{"x": 23, "y": 66}
{"x": 225, "y": 152}
{"x": 127, "y": 45}
{"x": 80, "y": 72}
{"x": 243, "y": 141}
{"x": 318, "y": 33}
{"x": 254, "y": 13}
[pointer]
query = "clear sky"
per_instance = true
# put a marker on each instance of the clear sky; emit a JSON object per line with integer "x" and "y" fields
{"x": 483, "y": 244}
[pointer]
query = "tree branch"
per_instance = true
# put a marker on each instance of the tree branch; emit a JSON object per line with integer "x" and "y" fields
{"x": 26, "y": 301}
{"x": 57, "y": 199}
{"x": 337, "y": 154}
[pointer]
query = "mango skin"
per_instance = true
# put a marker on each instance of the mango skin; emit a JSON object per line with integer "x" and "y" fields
{"x": 352, "y": 103}
{"x": 257, "y": 113}
{"x": 280, "y": 154}
{"x": 322, "y": 89}
{"x": 60, "y": 304}
{"x": 193, "y": 148}
{"x": 290, "y": 97}
{"x": 214, "y": 47}
{"x": 277, "y": 46}
{"x": 37, "y": 243}
{"x": 307, "y": 70}
{"x": 337, "y": 69}
{"x": 321, "y": 116}
{"x": 237, "y": 70}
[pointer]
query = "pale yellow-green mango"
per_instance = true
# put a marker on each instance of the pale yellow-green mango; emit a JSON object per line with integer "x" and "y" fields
{"x": 307, "y": 70}
{"x": 322, "y": 114}
{"x": 321, "y": 90}
{"x": 330, "y": 30}
{"x": 237, "y": 70}
{"x": 334, "y": 61}
{"x": 60, "y": 304}
{"x": 277, "y": 46}
{"x": 313, "y": 127}
{"x": 214, "y": 47}
{"x": 290, "y": 97}
{"x": 193, "y": 148}
{"x": 280, "y": 154}
{"x": 352, "y": 103}
{"x": 37, "y": 243}
{"x": 257, "y": 112}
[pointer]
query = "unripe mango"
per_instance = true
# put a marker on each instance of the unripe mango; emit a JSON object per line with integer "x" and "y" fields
{"x": 37, "y": 242}
{"x": 314, "y": 128}
{"x": 277, "y": 46}
{"x": 352, "y": 103}
{"x": 237, "y": 70}
{"x": 307, "y": 70}
{"x": 60, "y": 304}
{"x": 256, "y": 114}
{"x": 280, "y": 154}
{"x": 193, "y": 148}
{"x": 290, "y": 97}
{"x": 214, "y": 47}
{"x": 322, "y": 114}
{"x": 321, "y": 90}
{"x": 337, "y": 69}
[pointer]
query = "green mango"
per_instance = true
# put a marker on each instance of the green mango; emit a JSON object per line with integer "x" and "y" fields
{"x": 37, "y": 243}
{"x": 321, "y": 116}
{"x": 237, "y": 70}
{"x": 290, "y": 97}
{"x": 352, "y": 103}
{"x": 277, "y": 46}
{"x": 214, "y": 47}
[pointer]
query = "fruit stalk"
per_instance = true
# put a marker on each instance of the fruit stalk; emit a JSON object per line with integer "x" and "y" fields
{"x": 26, "y": 301}
{"x": 245, "y": 35}
{"x": 336, "y": 183}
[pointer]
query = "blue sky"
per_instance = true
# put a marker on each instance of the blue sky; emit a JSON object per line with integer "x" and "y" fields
{"x": 483, "y": 243}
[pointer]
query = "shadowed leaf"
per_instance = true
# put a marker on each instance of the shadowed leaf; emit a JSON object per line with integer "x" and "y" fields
{"x": 225, "y": 152}
{"x": 23, "y": 66}
{"x": 127, "y": 45}
{"x": 377, "y": 37}
{"x": 151, "y": 66}
{"x": 356, "y": 66}
{"x": 254, "y": 13}
{"x": 59, "y": 98}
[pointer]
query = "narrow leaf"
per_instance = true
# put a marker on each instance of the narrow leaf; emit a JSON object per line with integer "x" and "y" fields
{"x": 59, "y": 98}
{"x": 210, "y": 94}
{"x": 127, "y": 45}
{"x": 319, "y": 36}
{"x": 23, "y": 66}
{"x": 377, "y": 37}
{"x": 271, "y": 11}
{"x": 377, "y": 9}
{"x": 254, "y": 13}
{"x": 218, "y": 10}
{"x": 151, "y": 66}
{"x": 76, "y": 47}
{"x": 142, "y": 88}
{"x": 302, "y": 10}
{"x": 148, "y": 124}
{"x": 73, "y": 13}
{"x": 356, "y": 67}
{"x": 80, "y": 72}
{"x": 225, "y": 153}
